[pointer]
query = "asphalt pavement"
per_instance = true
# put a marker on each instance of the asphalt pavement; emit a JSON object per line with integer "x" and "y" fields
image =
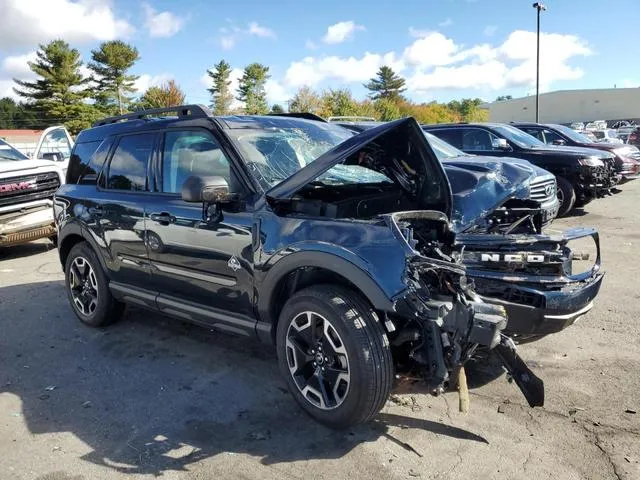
{"x": 151, "y": 396}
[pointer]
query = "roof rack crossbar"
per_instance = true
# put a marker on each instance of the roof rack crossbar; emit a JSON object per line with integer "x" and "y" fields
{"x": 194, "y": 111}
{"x": 354, "y": 118}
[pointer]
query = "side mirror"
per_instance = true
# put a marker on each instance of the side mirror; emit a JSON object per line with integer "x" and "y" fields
{"x": 500, "y": 144}
{"x": 54, "y": 156}
{"x": 211, "y": 190}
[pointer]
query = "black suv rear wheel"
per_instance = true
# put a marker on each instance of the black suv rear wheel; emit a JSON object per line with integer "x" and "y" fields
{"x": 334, "y": 355}
{"x": 88, "y": 290}
{"x": 566, "y": 196}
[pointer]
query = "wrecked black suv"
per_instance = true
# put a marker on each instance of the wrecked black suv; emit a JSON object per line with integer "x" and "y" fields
{"x": 335, "y": 248}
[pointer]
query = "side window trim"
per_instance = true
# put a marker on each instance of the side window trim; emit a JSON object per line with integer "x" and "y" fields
{"x": 106, "y": 167}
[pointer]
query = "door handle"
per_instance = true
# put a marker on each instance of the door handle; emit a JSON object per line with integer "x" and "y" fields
{"x": 163, "y": 218}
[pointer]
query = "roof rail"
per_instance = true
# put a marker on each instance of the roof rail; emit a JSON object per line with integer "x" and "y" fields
{"x": 350, "y": 118}
{"x": 305, "y": 115}
{"x": 192, "y": 111}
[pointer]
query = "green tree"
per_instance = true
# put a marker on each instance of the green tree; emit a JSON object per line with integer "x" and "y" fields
{"x": 58, "y": 94}
{"x": 277, "y": 109}
{"x": 8, "y": 111}
{"x": 168, "y": 94}
{"x": 387, "y": 109}
{"x": 387, "y": 84}
{"x": 467, "y": 108}
{"x": 338, "y": 103}
{"x": 501, "y": 98}
{"x": 220, "y": 91}
{"x": 110, "y": 64}
{"x": 251, "y": 89}
{"x": 305, "y": 100}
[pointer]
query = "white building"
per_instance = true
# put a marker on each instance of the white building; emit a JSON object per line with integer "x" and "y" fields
{"x": 566, "y": 106}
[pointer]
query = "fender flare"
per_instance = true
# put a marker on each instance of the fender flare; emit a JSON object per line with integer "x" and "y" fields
{"x": 327, "y": 261}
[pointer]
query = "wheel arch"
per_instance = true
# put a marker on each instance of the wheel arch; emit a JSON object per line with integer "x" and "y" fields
{"x": 302, "y": 269}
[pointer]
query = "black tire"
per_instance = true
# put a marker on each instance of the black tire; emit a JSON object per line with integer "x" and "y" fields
{"x": 364, "y": 341}
{"x": 566, "y": 196}
{"x": 107, "y": 309}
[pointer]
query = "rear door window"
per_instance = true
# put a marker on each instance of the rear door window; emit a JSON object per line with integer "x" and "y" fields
{"x": 129, "y": 163}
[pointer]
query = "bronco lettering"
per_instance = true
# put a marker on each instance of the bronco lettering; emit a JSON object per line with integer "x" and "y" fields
{"x": 512, "y": 257}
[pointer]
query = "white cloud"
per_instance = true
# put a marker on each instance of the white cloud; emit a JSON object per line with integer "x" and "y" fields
{"x": 430, "y": 49}
{"x": 145, "y": 81}
{"x": 489, "y": 30}
{"x": 18, "y": 66}
{"x": 311, "y": 71}
{"x": 434, "y": 61}
{"x": 260, "y": 31}
{"x": 27, "y": 22}
{"x": 341, "y": 31}
{"x": 276, "y": 92}
{"x": 161, "y": 24}
{"x": 229, "y": 36}
{"x": 446, "y": 23}
{"x": 490, "y": 75}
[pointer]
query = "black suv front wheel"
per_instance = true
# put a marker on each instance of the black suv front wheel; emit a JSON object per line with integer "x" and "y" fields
{"x": 87, "y": 288}
{"x": 334, "y": 355}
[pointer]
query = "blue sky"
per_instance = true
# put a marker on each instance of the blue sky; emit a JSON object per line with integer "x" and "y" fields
{"x": 446, "y": 49}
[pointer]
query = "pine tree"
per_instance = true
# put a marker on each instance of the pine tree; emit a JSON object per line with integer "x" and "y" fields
{"x": 112, "y": 82}
{"x": 58, "y": 94}
{"x": 220, "y": 91}
{"x": 276, "y": 109}
{"x": 251, "y": 90}
{"x": 387, "y": 84}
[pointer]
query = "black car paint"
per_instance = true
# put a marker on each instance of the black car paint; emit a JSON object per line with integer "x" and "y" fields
{"x": 589, "y": 182}
{"x": 627, "y": 166}
{"x": 236, "y": 272}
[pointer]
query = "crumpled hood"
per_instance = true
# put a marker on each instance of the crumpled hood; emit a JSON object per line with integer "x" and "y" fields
{"x": 482, "y": 184}
{"x": 401, "y": 152}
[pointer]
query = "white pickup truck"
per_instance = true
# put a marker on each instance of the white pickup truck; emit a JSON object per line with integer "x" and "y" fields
{"x": 27, "y": 186}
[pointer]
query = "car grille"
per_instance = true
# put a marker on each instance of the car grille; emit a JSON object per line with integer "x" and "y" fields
{"x": 543, "y": 190}
{"x": 28, "y": 188}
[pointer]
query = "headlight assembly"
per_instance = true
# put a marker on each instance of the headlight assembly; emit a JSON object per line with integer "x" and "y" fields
{"x": 591, "y": 162}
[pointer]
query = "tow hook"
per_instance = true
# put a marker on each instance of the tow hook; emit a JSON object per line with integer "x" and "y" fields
{"x": 529, "y": 384}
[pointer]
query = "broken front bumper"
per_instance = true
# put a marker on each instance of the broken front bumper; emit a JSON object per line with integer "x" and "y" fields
{"x": 531, "y": 277}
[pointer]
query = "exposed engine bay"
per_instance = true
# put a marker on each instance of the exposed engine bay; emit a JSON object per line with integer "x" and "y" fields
{"x": 441, "y": 321}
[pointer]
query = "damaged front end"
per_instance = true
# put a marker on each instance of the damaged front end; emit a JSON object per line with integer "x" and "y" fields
{"x": 535, "y": 277}
{"x": 440, "y": 321}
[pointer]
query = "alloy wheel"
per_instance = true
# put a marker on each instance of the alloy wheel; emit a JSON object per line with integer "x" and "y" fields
{"x": 318, "y": 360}
{"x": 84, "y": 286}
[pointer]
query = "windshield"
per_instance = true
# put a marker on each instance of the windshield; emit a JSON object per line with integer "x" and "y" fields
{"x": 572, "y": 134}
{"x": 442, "y": 149}
{"x": 281, "y": 147}
{"x": 520, "y": 138}
{"x": 7, "y": 152}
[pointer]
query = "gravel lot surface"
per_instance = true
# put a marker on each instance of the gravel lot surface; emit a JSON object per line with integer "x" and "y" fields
{"x": 152, "y": 397}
